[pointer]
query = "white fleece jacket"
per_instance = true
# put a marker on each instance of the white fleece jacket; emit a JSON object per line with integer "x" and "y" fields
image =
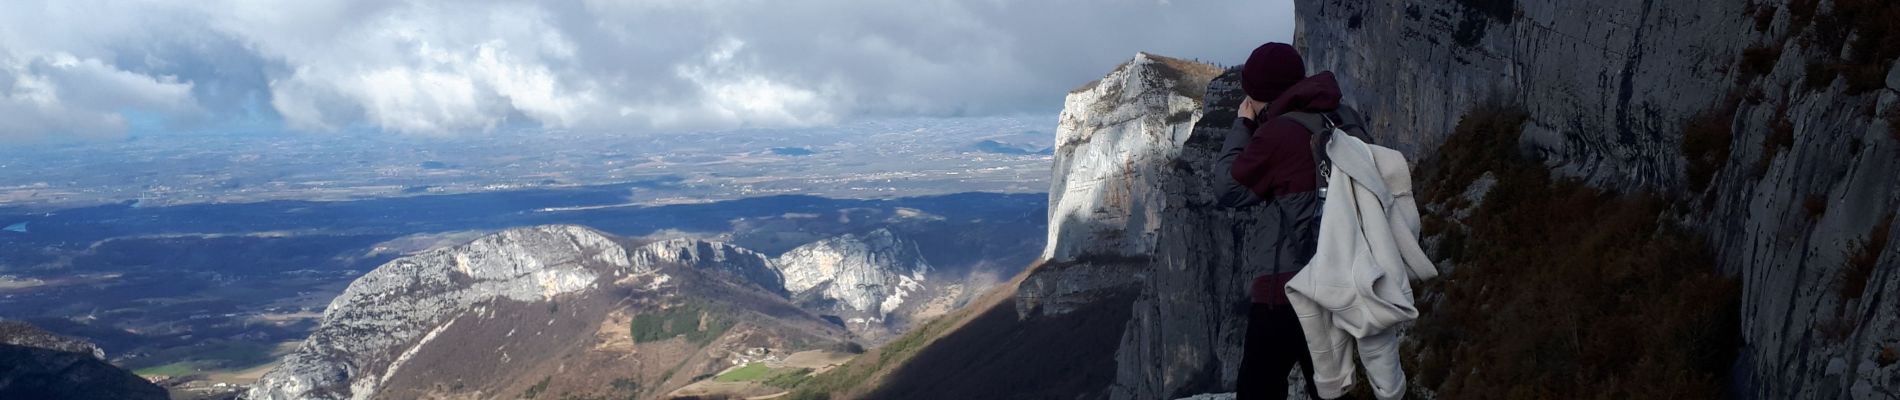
{"x": 1357, "y": 286}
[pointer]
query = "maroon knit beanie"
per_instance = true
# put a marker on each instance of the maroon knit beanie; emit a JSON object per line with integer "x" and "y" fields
{"x": 1271, "y": 69}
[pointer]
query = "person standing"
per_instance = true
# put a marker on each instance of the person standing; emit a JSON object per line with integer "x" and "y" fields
{"x": 1273, "y": 163}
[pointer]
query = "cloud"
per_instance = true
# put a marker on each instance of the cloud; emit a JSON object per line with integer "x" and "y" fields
{"x": 429, "y": 67}
{"x": 60, "y": 94}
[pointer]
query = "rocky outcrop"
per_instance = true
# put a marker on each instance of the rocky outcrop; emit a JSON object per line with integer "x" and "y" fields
{"x": 1132, "y": 210}
{"x": 508, "y": 308}
{"x": 23, "y": 334}
{"x": 742, "y": 264}
{"x": 1115, "y": 140}
{"x": 1610, "y": 88}
{"x": 400, "y": 306}
{"x": 860, "y": 279}
{"x": 36, "y": 364}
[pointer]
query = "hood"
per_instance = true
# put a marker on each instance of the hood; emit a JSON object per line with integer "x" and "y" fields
{"x": 1317, "y": 93}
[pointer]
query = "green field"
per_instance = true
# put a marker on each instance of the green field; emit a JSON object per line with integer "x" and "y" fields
{"x": 758, "y": 372}
{"x": 207, "y": 357}
{"x": 180, "y": 368}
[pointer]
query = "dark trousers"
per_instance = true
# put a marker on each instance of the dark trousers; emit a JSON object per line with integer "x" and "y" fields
{"x": 1274, "y": 343}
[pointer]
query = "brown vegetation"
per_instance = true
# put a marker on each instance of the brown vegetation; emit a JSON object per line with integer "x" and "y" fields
{"x": 1563, "y": 289}
{"x": 1886, "y": 357}
{"x": 1860, "y": 264}
{"x": 1800, "y": 13}
{"x": 1816, "y": 206}
{"x": 1856, "y": 38}
{"x": 1706, "y": 144}
{"x": 1757, "y": 61}
{"x": 1764, "y": 18}
{"x": 1780, "y": 136}
{"x": 1893, "y": 122}
{"x": 1836, "y": 330}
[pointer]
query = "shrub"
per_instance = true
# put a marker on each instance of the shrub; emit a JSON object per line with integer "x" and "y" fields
{"x": 1758, "y": 61}
{"x": 537, "y": 388}
{"x": 1886, "y": 357}
{"x": 1706, "y": 143}
{"x": 1870, "y": 25}
{"x": 1500, "y": 10}
{"x": 1764, "y": 18}
{"x": 1564, "y": 289}
{"x": 1836, "y": 330}
{"x": 1816, "y": 205}
{"x": 1800, "y": 13}
{"x": 1485, "y": 141}
{"x": 1860, "y": 263}
{"x": 1780, "y": 136}
{"x": 1820, "y": 75}
{"x": 1893, "y": 122}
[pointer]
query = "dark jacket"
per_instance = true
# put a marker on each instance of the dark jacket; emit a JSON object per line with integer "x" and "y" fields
{"x": 1273, "y": 164}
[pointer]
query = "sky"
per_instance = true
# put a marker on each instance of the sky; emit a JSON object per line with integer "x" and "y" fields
{"x": 81, "y": 70}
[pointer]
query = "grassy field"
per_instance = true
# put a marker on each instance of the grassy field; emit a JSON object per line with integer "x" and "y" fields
{"x": 180, "y": 368}
{"x": 206, "y": 358}
{"x": 759, "y": 372}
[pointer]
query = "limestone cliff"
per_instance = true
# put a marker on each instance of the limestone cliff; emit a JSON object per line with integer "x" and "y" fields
{"x": 1132, "y": 212}
{"x": 862, "y": 280}
{"x": 742, "y": 264}
{"x": 1794, "y": 186}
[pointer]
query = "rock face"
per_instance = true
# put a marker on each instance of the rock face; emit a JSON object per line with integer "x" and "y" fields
{"x": 366, "y": 330}
{"x": 740, "y": 263}
{"x": 1609, "y": 87}
{"x": 861, "y": 279}
{"x": 36, "y": 364}
{"x": 23, "y": 334}
{"x": 1114, "y": 141}
{"x": 527, "y": 301}
{"x": 1132, "y": 210}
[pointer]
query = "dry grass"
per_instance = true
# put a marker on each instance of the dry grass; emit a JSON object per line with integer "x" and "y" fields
{"x": 1886, "y": 357}
{"x": 1565, "y": 290}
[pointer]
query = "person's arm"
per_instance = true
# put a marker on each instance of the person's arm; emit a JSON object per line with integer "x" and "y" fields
{"x": 1262, "y": 166}
{"x": 1228, "y": 192}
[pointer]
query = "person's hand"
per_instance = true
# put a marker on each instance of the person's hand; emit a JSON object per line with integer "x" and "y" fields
{"x": 1248, "y": 108}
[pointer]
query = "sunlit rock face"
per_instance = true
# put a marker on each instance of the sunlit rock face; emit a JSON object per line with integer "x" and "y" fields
{"x": 1609, "y": 87}
{"x": 1132, "y": 216}
{"x": 366, "y": 330}
{"x": 742, "y": 264}
{"x": 861, "y": 279}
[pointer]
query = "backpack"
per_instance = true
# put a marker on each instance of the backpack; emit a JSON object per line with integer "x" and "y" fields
{"x": 1323, "y": 126}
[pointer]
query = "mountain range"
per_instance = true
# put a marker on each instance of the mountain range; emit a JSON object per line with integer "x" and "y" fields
{"x": 568, "y": 309}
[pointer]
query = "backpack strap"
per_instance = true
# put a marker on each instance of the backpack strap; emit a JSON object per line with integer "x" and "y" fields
{"x": 1322, "y": 125}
